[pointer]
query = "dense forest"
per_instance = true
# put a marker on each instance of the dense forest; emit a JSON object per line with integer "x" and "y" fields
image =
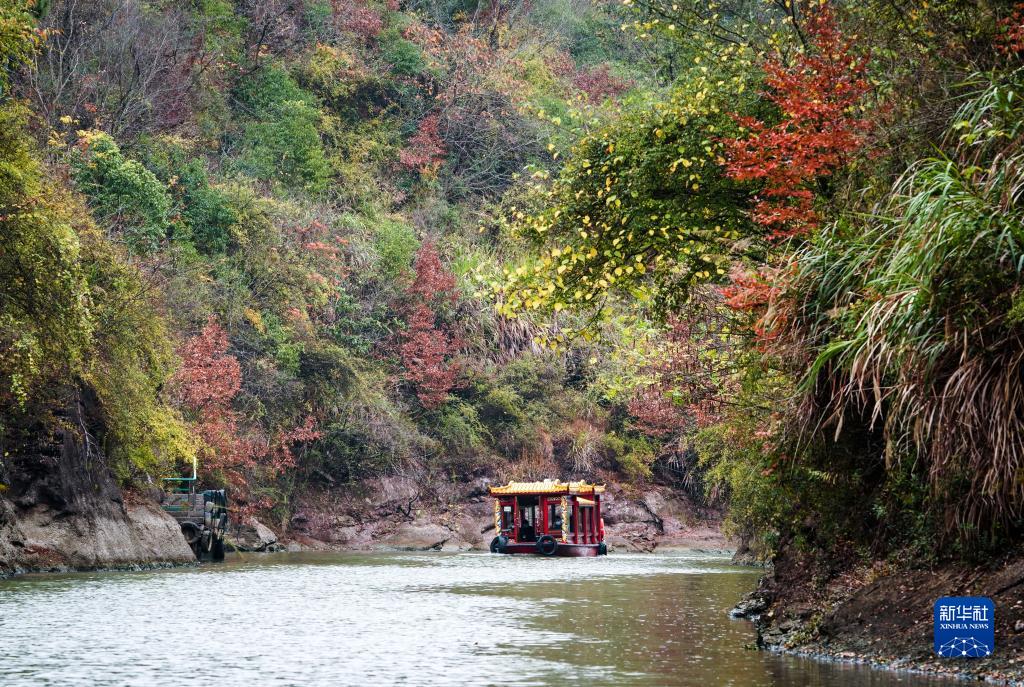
{"x": 767, "y": 252}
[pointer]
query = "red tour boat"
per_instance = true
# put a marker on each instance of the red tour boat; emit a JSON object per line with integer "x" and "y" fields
{"x": 550, "y": 518}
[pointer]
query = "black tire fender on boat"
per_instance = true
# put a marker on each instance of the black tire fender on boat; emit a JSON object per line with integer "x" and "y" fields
{"x": 191, "y": 532}
{"x": 602, "y": 549}
{"x": 547, "y": 545}
{"x": 499, "y": 543}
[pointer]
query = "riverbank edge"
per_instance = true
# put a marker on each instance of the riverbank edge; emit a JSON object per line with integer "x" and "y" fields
{"x": 903, "y": 666}
{"x": 265, "y": 541}
{"x": 881, "y": 616}
{"x": 67, "y": 570}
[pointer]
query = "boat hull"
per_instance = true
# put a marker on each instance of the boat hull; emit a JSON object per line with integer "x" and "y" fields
{"x": 567, "y": 550}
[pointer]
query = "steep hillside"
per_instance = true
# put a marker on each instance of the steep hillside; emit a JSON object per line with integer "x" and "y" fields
{"x": 255, "y": 233}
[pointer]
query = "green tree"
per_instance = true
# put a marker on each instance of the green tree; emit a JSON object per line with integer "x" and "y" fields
{"x": 123, "y": 194}
{"x": 641, "y": 210}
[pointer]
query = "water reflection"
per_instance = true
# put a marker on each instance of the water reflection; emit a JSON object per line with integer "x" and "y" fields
{"x": 382, "y": 619}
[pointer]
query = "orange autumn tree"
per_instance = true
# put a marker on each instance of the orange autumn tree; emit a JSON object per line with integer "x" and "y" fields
{"x": 693, "y": 374}
{"x": 205, "y": 385}
{"x": 426, "y": 348}
{"x": 425, "y": 150}
{"x": 819, "y": 97}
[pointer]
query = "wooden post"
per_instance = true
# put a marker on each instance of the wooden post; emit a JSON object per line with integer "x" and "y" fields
{"x": 597, "y": 517}
{"x": 515, "y": 519}
{"x": 576, "y": 518}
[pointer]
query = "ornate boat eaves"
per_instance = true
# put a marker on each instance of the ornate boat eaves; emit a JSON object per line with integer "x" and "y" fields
{"x": 547, "y": 486}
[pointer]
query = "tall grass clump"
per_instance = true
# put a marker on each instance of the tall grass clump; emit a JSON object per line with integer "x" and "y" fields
{"x": 914, "y": 317}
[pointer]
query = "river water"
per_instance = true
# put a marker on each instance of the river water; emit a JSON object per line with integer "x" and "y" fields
{"x": 413, "y": 619}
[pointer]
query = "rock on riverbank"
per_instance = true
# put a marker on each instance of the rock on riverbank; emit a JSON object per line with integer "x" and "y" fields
{"x": 879, "y": 614}
{"x": 61, "y": 509}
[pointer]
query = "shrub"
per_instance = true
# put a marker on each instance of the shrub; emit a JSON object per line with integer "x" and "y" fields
{"x": 131, "y": 361}
{"x": 405, "y": 57}
{"x": 205, "y": 210}
{"x": 45, "y": 324}
{"x": 333, "y": 73}
{"x": 501, "y": 405}
{"x": 460, "y": 429}
{"x": 18, "y": 37}
{"x": 369, "y": 434}
{"x": 599, "y": 84}
{"x": 281, "y": 138}
{"x": 396, "y": 243}
{"x": 286, "y": 147}
{"x": 122, "y": 193}
{"x": 634, "y": 455}
{"x": 258, "y": 93}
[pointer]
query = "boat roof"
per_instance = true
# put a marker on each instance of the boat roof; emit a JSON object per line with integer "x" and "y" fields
{"x": 548, "y": 486}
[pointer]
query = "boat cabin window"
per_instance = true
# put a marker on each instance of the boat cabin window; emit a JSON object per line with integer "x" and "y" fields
{"x": 554, "y": 516}
{"x": 506, "y": 517}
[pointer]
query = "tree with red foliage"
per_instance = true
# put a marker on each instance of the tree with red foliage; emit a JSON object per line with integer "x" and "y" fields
{"x": 356, "y": 17}
{"x": 207, "y": 381}
{"x": 425, "y": 150}
{"x": 321, "y": 246}
{"x": 282, "y": 455}
{"x": 752, "y": 293}
{"x": 598, "y": 84}
{"x": 426, "y": 349}
{"x": 820, "y": 98}
{"x": 655, "y": 412}
{"x": 1010, "y": 40}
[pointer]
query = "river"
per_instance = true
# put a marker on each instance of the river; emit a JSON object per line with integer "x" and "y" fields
{"x": 400, "y": 618}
